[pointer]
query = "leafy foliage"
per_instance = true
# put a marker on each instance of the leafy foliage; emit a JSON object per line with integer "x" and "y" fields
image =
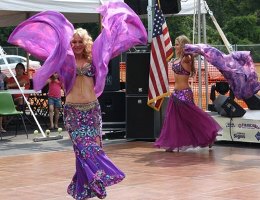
{"x": 4, "y": 34}
{"x": 92, "y": 28}
{"x": 180, "y": 25}
{"x": 239, "y": 19}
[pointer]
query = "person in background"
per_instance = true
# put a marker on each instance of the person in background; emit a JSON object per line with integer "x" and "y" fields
{"x": 185, "y": 124}
{"x": 54, "y": 100}
{"x": 83, "y": 121}
{"x": 3, "y": 81}
{"x": 23, "y": 81}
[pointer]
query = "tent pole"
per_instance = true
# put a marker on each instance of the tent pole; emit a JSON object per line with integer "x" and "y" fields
{"x": 199, "y": 57}
{"x": 150, "y": 16}
{"x": 27, "y": 54}
{"x": 27, "y": 63}
{"x": 205, "y": 62}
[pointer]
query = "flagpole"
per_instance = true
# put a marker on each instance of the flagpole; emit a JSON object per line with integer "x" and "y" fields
{"x": 150, "y": 17}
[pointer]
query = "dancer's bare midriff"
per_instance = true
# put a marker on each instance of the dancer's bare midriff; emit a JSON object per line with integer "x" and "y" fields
{"x": 82, "y": 91}
{"x": 181, "y": 82}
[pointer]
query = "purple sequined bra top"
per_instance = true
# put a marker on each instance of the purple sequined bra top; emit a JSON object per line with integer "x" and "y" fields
{"x": 87, "y": 70}
{"x": 178, "y": 69}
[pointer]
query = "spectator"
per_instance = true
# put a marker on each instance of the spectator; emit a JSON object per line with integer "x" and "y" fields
{"x": 3, "y": 80}
{"x": 23, "y": 80}
{"x": 54, "y": 100}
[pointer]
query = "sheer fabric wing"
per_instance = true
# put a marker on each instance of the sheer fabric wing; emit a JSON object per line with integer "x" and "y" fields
{"x": 47, "y": 37}
{"x": 122, "y": 29}
{"x": 238, "y": 68}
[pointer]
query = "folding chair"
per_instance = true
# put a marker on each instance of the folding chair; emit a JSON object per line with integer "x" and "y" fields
{"x": 7, "y": 108}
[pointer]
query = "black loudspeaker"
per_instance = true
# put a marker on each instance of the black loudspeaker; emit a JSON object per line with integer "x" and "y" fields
{"x": 142, "y": 122}
{"x": 170, "y": 6}
{"x": 137, "y": 73}
{"x": 112, "y": 106}
{"x": 227, "y": 107}
{"x": 167, "y": 6}
{"x": 253, "y": 103}
{"x": 113, "y": 76}
{"x": 135, "y": 5}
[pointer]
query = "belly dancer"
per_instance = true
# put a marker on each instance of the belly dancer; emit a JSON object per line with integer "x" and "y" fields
{"x": 82, "y": 119}
{"x": 185, "y": 124}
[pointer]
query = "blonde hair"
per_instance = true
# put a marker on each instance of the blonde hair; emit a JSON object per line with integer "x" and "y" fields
{"x": 183, "y": 39}
{"x": 87, "y": 41}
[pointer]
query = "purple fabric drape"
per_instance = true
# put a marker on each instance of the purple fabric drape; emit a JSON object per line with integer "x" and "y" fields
{"x": 122, "y": 29}
{"x": 47, "y": 37}
{"x": 237, "y": 67}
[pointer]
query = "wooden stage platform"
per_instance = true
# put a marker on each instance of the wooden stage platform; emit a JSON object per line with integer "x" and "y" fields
{"x": 227, "y": 172}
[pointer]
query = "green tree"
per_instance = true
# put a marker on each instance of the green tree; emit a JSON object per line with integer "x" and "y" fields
{"x": 180, "y": 25}
{"x": 248, "y": 33}
{"x": 92, "y": 28}
{"x": 239, "y": 20}
{"x": 4, "y": 34}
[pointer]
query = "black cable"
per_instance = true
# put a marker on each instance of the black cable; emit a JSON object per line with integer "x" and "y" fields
{"x": 230, "y": 122}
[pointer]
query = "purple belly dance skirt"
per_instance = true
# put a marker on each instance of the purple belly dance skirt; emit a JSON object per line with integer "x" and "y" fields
{"x": 94, "y": 170}
{"x": 185, "y": 124}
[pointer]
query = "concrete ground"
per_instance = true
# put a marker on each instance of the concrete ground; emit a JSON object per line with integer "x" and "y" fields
{"x": 19, "y": 145}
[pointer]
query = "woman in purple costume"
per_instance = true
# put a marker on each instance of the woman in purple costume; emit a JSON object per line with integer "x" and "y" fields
{"x": 185, "y": 124}
{"x": 82, "y": 119}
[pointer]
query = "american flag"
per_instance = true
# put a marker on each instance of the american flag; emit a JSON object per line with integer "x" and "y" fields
{"x": 161, "y": 53}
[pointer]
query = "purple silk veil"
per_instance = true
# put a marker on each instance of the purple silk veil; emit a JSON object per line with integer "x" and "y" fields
{"x": 237, "y": 67}
{"x": 122, "y": 29}
{"x": 47, "y": 37}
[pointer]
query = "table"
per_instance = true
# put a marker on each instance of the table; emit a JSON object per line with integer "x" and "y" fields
{"x": 38, "y": 101}
{"x": 17, "y": 91}
{"x": 35, "y": 103}
{"x": 27, "y": 91}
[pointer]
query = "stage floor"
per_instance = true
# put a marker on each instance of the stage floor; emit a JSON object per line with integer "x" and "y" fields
{"x": 227, "y": 172}
{"x": 240, "y": 129}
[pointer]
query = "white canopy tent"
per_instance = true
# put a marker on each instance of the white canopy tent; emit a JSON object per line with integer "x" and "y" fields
{"x": 189, "y": 6}
{"x": 77, "y": 11}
